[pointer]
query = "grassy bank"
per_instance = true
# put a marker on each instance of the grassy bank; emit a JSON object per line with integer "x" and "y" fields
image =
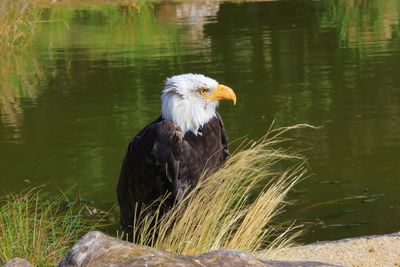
{"x": 38, "y": 228}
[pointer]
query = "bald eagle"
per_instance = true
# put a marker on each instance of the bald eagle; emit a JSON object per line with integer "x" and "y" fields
{"x": 170, "y": 154}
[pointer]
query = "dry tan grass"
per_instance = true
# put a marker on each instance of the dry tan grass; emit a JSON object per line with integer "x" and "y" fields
{"x": 234, "y": 208}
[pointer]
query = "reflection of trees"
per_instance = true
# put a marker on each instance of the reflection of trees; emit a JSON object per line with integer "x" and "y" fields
{"x": 289, "y": 64}
{"x": 109, "y": 30}
{"x": 20, "y": 76}
{"x": 360, "y": 22}
{"x": 365, "y": 74}
{"x": 19, "y": 69}
{"x": 104, "y": 73}
{"x": 123, "y": 32}
{"x": 286, "y": 67}
{"x": 193, "y": 14}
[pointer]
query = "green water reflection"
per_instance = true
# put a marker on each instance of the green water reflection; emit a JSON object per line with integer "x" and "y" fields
{"x": 98, "y": 71}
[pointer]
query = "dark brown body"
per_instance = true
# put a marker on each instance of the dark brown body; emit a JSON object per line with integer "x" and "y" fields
{"x": 161, "y": 160}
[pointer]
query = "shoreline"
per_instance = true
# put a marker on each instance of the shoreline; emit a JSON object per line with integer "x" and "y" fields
{"x": 375, "y": 250}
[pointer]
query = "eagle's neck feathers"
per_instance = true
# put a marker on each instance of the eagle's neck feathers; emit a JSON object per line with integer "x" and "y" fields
{"x": 189, "y": 116}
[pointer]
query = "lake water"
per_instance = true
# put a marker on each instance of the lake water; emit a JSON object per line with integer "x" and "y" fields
{"x": 93, "y": 79}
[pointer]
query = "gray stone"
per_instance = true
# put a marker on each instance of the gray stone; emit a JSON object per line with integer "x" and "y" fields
{"x": 98, "y": 249}
{"x": 17, "y": 262}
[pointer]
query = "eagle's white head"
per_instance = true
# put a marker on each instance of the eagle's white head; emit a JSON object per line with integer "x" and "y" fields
{"x": 190, "y": 100}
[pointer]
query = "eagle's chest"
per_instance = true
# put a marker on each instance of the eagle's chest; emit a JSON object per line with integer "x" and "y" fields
{"x": 202, "y": 151}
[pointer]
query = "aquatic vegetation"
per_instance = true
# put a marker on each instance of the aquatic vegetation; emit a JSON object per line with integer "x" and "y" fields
{"x": 234, "y": 208}
{"x": 38, "y": 228}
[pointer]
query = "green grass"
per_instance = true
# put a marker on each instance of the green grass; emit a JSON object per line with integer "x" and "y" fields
{"x": 234, "y": 208}
{"x": 38, "y": 228}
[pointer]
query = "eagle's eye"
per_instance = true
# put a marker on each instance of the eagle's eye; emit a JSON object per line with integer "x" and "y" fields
{"x": 203, "y": 91}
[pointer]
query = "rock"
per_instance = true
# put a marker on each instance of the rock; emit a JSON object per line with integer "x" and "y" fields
{"x": 17, "y": 262}
{"x": 98, "y": 249}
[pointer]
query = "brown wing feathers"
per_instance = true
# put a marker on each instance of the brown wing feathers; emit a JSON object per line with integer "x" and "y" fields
{"x": 161, "y": 160}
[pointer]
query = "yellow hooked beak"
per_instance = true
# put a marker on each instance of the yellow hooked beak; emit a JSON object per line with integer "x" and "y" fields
{"x": 223, "y": 92}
